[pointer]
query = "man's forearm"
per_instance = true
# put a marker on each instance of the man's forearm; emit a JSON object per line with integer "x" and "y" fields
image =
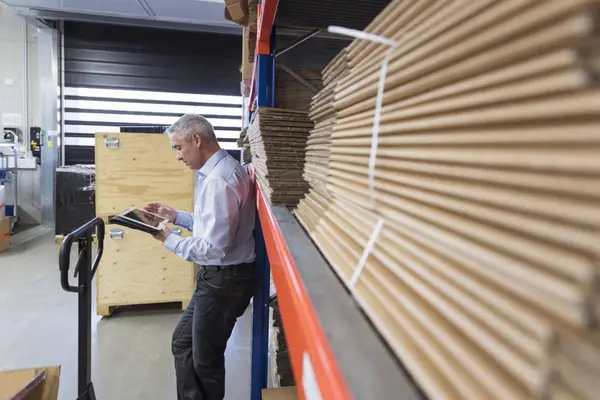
{"x": 192, "y": 248}
{"x": 185, "y": 220}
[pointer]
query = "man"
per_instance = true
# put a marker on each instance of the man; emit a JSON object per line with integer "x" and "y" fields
{"x": 223, "y": 244}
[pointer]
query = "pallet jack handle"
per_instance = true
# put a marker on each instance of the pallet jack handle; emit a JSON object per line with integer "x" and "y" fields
{"x": 85, "y": 270}
{"x": 64, "y": 256}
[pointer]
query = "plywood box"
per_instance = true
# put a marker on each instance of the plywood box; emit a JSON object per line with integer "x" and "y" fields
{"x": 283, "y": 393}
{"x": 135, "y": 268}
{"x": 31, "y": 383}
{"x": 138, "y": 270}
{"x": 140, "y": 170}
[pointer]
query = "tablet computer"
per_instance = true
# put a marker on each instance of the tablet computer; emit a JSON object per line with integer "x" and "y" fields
{"x": 138, "y": 219}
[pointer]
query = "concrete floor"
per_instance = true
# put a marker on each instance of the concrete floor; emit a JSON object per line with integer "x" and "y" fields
{"x": 131, "y": 349}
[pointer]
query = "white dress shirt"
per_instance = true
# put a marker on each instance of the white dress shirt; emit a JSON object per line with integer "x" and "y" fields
{"x": 223, "y": 218}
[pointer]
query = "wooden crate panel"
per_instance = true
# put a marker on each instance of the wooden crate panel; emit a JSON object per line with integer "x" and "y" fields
{"x": 138, "y": 270}
{"x": 141, "y": 170}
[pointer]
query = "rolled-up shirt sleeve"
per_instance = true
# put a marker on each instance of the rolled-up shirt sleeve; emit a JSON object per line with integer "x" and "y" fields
{"x": 185, "y": 220}
{"x": 219, "y": 219}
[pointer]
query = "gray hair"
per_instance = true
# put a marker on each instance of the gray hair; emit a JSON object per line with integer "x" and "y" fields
{"x": 189, "y": 124}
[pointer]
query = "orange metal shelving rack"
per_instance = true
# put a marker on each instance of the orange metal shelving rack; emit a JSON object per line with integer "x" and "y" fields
{"x": 314, "y": 366}
{"x": 315, "y": 369}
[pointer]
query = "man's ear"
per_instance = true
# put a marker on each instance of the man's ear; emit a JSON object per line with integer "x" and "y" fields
{"x": 196, "y": 139}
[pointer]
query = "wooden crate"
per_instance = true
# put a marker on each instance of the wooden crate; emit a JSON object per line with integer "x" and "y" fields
{"x": 136, "y": 269}
{"x": 142, "y": 169}
{"x": 282, "y": 393}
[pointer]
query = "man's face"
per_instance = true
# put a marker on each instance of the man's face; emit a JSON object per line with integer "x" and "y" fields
{"x": 188, "y": 152}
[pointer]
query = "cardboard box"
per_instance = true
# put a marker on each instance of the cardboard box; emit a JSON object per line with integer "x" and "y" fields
{"x": 2, "y": 202}
{"x": 253, "y": 15}
{"x": 283, "y": 393}
{"x": 31, "y": 383}
{"x": 4, "y": 234}
{"x": 237, "y": 11}
{"x": 248, "y": 50}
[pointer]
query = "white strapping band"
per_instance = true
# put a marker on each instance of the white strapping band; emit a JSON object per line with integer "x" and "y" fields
{"x": 380, "y": 89}
{"x": 366, "y": 252}
{"x": 361, "y": 35}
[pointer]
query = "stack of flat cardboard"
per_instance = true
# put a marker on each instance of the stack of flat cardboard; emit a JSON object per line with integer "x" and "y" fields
{"x": 248, "y": 55}
{"x": 242, "y": 137}
{"x": 245, "y": 145}
{"x": 278, "y": 144}
{"x": 247, "y": 15}
{"x": 312, "y": 207}
{"x": 472, "y": 244}
{"x": 281, "y": 366}
{"x": 291, "y": 94}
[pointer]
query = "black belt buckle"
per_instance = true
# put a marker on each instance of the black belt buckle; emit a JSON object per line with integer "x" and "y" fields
{"x": 212, "y": 267}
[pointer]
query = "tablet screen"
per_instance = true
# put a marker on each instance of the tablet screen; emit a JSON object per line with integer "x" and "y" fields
{"x": 144, "y": 217}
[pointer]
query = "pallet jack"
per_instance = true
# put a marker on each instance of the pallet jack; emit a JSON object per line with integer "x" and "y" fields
{"x": 85, "y": 270}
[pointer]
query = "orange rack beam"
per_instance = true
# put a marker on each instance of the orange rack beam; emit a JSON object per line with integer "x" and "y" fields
{"x": 308, "y": 346}
{"x": 266, "y": 19}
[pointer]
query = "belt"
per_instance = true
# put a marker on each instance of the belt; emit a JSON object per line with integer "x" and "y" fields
{"x": 226, "y": 267}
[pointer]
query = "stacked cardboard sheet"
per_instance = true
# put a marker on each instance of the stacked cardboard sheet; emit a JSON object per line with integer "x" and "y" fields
{"x": 281, "y": 366}
{"x": 277, "y": 140}
{"x": 243, "y": 143}
{"x": 313, "y": 206}
{"x": 476, "y": 253}
{"x": 290, "y": 93}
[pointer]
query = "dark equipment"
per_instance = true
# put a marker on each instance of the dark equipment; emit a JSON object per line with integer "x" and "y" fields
{"x": 75, "y": 199}
{"x": 35, "y": 134}
{"x": 86, "y": 269}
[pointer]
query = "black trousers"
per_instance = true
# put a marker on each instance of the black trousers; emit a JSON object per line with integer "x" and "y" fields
{"x": 199, "y": 340}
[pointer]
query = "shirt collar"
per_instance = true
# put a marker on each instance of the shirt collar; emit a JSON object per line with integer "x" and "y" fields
{"x": 210, "y": 164}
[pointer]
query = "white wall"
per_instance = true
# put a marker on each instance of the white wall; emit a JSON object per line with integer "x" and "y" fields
{"x": 13, "y": 79}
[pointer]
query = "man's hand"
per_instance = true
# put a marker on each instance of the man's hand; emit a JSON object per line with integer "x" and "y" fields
{"x": 163, "y": 210}
{"x": 165, "y": 231}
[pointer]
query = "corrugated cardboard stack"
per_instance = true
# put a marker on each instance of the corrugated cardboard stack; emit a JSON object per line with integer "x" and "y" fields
{"x": 245, "y": 13}
{"x": 475, "y": 254}
{"x": 282, "y": 372}
{"x": 322, "y": 113}
{"x": 291, "y": 94}
{"x": 278, "y": 144}
{"x": 245, "y": 145}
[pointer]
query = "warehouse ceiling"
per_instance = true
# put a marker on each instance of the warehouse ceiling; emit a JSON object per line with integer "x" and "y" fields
{"x": 203, "y": 15}
{"x": 323, "y": 13}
